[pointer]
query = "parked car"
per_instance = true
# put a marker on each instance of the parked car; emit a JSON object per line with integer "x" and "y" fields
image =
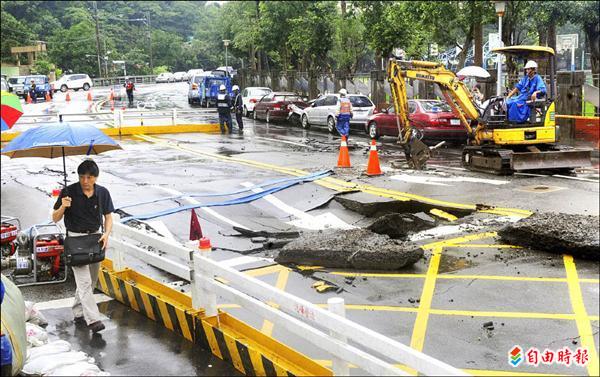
{"x": 73, "y": 81}
{"x": 323, "y": 111}
{"x": 204, "y": 88}
{"x": 434, "y": 121}
{"x": 42, "y": 86}
{"x": 15, "y": 85}
{"x": 4, "y": 84}
{"x": 179, "y": 76}
{"x": 165, "y": 77}
{"x": 274, "y": 106}
{"x": 251, "y": 95}
{"x": 296, "y": 112}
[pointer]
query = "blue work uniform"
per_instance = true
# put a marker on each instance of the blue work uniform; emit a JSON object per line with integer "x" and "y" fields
{"x": 344, "y": 116}
{"x": 224, "y": 110}
{"x": 517, "y": 108}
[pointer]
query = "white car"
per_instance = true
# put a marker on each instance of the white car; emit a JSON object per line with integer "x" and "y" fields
{"x": 74, "y": 81}
{"x": 165, "y": 77}
{"x": 251, "y": 95}
{"x": 193, "y": 72}
{"x": 323, "y": 111}
{"x": 179, "y": 76}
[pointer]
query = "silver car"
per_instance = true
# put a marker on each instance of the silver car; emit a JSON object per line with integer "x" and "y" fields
{"x": 323, "y": 109}
{"x": 16, "y": 84}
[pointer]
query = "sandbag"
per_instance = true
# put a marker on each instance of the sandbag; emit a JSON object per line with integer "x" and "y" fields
{"x": 58, "y": 346}
{"x": 13, "y": 323}
{"x": 36, "y": 336}
{"x": 33, "y": 315}
{"x": 78, "y": 369}
{"x": 47, "y": 363}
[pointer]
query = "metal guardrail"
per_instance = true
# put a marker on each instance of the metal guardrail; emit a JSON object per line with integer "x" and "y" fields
{"x": 118, "y": 116}
{"x": 107, "y": 81}
{"x": 328, "y": 330}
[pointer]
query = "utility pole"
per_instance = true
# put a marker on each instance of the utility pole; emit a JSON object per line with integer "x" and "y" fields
{"x": 97, "y": 39}
{"x": 150, "y": 40}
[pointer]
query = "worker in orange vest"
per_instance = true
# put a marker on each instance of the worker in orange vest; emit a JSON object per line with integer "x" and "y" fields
{"x": 344, "y": 114}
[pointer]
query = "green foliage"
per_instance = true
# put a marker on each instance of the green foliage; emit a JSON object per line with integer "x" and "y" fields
{"x": 160, "y": 69}
{"x": 42, "y": 66}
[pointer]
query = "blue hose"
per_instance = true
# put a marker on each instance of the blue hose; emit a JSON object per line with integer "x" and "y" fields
{"x": 318, "y": 175}
{"x": 241, "y": 200}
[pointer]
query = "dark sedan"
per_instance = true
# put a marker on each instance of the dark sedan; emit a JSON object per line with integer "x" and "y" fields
{"x": 274, "y": 106}
{"x": 434, "y": 120}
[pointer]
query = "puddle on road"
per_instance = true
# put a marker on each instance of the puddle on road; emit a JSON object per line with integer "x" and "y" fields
{"x": 450, "y": 263}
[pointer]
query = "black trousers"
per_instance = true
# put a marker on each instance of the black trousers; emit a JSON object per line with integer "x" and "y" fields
{"x": 240, "y": 121}
{"x": 130, "y": 97}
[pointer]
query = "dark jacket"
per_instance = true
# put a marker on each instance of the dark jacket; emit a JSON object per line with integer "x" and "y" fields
{"x": 238, "y": 103}
{"x": 223, "y": 103}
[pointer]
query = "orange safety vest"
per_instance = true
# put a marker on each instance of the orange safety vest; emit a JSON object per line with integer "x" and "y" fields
{"x": 345, "y": 106}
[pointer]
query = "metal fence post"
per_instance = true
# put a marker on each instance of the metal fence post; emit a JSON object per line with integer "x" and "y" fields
{"x": 336, "y": 306}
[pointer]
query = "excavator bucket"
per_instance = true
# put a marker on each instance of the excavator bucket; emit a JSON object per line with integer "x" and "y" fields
{"x": 417, "y": 153}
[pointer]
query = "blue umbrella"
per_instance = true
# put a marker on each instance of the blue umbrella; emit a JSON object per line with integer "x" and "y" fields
{"x": 60, "y": 139}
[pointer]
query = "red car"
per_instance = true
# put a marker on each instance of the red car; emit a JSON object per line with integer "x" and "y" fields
{"x": 434, "y": 119}
{"x": 274, "y": 106}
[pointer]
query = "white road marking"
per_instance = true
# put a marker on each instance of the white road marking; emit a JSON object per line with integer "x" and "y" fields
{"x": 68, "y": 302}
{"x": 304, "y": 220}
{"x": 442, "y": 181}
{"x": 204, "y": 209}
{"x": 452, "y": 229}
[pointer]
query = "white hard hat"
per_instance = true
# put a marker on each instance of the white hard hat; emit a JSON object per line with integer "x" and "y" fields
{"x": 531, "y": 64}
{"x": 222, "y": 87}
{"x": 235, "y": 87}
{"x": 343, "y": 92}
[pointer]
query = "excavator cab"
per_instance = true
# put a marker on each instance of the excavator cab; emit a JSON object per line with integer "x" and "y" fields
{"x": 542, "y": 109}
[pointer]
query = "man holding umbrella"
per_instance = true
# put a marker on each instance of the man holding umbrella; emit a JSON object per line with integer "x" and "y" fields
{"x": 83, "y": 204}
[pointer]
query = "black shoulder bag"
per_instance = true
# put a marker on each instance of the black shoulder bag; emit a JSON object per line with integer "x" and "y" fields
{"x": 84, "y": 250}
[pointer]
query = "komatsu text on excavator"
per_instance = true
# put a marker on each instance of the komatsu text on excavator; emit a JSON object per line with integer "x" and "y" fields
{"x": 494, "y": 144}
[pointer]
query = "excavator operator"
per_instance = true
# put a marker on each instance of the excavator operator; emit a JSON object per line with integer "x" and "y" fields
{"x": 529, "y": 88}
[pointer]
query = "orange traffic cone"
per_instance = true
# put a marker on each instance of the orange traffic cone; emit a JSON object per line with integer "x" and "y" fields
{"x": 344, "y": 157}
{"x": 112, "y": 95}
{"x": 28, "y": 100}
{"x": 112, "y": 105}
{"x": 68, "y": 98}
{"x": 373, "y": 165}
{"x": 89, "y": 96}
{"x": 48, "y": 98}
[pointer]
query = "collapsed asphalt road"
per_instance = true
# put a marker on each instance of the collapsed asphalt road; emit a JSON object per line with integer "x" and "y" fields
{"x": 558, "y": 233}
{"x": 353, "y": 248}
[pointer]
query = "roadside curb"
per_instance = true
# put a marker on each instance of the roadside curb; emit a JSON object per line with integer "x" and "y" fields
{"x": 134, "y": 130}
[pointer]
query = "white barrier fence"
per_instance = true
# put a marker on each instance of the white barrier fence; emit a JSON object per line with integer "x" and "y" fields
{"x": 118, "y": 117}
{"x": 325, "y": 329}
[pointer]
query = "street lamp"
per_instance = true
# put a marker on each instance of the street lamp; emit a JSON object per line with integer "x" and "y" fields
{"x": 226, "y": 43}
{"x": 500, "y": 8}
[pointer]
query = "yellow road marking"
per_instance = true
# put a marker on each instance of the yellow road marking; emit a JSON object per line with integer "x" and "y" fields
{"x": 443, "y": 214}
{"x": 420, "y": 327}
{"x": 455, "y": 241}
{"x": 581, "y": 318}
{"x": 487, "y": 246}
{"x": 282, "y": 279}
{"x": 265, "y": 270}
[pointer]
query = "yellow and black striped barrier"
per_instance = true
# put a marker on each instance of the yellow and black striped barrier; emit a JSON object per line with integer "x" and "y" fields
{"x": 250, "y": 351}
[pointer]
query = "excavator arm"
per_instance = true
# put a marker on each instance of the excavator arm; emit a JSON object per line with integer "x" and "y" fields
{"x": 455, "y": 92}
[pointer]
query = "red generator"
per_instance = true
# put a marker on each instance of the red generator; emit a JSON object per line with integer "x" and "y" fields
{"x": 39, "y": 257}
{"x": 9, "y": 228}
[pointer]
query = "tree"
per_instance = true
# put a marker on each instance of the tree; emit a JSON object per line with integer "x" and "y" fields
{"x": 349, "y": 45}
{"x": 13, "y": 33}
{"x": 585, "y": 13}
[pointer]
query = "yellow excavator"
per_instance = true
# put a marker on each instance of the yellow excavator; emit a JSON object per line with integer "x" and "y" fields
{"x": 494, "y": 144}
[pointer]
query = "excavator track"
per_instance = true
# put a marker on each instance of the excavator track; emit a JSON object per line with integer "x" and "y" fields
{"x": 504, "y": 161}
